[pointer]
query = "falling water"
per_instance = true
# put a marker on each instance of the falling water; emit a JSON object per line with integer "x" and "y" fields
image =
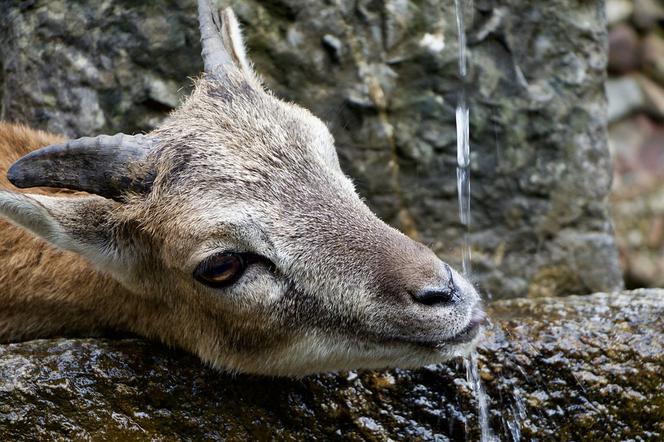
{"x": 463, "y": 188}
{"x": 473, "y": 376}
{"x": 463, "y": 142}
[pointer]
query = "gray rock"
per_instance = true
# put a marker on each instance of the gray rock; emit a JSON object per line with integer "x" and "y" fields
{"x": 625, "y": 97}
{"x": 637, "y": 200}
{"x": 539, "y": 162}
{"x": 576, "y": 368}
{"x": 653, "y": 56}
{"x": 648, "y": 14}
{"x": 633, "y": 93}
{"x": 654, "y": 97}
{"x": 624, "y": 49}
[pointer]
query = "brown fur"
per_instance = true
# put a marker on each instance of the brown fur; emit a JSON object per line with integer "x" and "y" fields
{"x": 44, "y": 291}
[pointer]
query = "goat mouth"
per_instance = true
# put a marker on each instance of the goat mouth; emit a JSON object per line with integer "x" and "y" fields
{"x": 471, "y": 330}
{"x": 465, "y": 336}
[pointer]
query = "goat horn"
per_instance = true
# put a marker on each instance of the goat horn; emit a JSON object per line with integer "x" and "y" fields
{"x": 106, "y": 165}
{"x": 213, "y": 26}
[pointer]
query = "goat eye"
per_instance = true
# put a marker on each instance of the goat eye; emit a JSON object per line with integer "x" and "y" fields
{"x": 220, "y": 270}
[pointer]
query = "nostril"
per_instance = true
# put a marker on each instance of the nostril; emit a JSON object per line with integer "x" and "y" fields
{"x": 447, "y": 294}
{"x": 437, "y": 296}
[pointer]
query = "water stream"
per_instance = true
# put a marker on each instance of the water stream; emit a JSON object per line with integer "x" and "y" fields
{"x": 463, "y": 188}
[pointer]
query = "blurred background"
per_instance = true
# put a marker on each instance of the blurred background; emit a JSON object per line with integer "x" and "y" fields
{"x": 636, "y": 136}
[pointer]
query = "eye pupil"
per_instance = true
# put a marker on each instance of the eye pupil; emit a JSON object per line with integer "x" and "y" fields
{"x": 224, "y": 269}
{"x": 220, "y": 270}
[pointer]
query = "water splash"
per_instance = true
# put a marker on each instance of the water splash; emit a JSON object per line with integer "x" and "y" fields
{"x": 463, "y": 188}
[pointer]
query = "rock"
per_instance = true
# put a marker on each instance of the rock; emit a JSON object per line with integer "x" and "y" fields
{"x": 576, "y": 368}
{"x": 653, "y": 97}
{"x": 648, "y": 14}
{"x": 619, "y": 10}
{"x": 653, "y": 57}
{"x": 334, "y": 45}
{"x": 637, "y": 201}
{"x": 624, "y": 49}
{"x": 626, "y": 139}
{"x": 163, "y": 92}
{"x": 535, "y": 82}
{"x": 625, "y": 97}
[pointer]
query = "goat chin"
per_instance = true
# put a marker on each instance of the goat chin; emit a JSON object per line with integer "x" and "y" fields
{"x": 318, "y": 354}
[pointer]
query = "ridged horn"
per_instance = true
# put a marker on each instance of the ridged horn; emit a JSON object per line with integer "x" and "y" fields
{"x": 106, "y": 165}
{"x": 215, "y": 55}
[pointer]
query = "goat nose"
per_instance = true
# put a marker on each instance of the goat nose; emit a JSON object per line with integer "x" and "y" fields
{"x": 437, "y": 296}
{"x": 444, "y": 295}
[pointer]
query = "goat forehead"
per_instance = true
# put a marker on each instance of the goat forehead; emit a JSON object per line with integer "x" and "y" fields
{"x": 248, "y": 121}
{"x": 251, "y": 139}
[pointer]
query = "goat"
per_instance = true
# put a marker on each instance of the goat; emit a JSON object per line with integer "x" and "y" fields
{"x": 229, "y": 231}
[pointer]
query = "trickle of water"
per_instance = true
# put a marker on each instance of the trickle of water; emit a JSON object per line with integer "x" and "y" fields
{"x": 473, "y": 376}
{"x": 461, "y": 29}
{"x": 463, "y": 143}
{"x": 463, "y": 132}
{"x": 518, "y": 415}
{"x": 463, "y": 188}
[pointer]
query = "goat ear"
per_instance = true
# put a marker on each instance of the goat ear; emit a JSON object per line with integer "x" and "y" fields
{"x": 222, "y": 41}
{"x": 78, "y": 224}
{"x": 231, "y": 34}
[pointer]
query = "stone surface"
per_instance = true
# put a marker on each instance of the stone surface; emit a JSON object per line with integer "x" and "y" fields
{"x": 636, "y": 138}
{"x": 640, "y": 228}
{"x": 625, "y": 97}
{"x": 624, "y": 49}
{"x": 587, "y": 368}
{"x": 653, "y": 56}
{"x": 619, "y": 10}
{"x": 384, "y": 77}
{"x": 648, "y": 14}
{"x": 637, "y": 199}
{"x": 654, "y": 97}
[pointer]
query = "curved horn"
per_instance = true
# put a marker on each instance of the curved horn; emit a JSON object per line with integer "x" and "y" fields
{"x": 214, "y": 51}
{"x": 106, "y": 165}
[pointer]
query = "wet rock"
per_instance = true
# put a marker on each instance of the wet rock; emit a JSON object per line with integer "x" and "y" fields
{"x": 535, "y": 83}
{"x": 576, "y": 368}
{"x": 624, "y": 49}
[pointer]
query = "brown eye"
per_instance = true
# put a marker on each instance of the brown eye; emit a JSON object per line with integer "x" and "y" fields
{"x": 220, "y": 270}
